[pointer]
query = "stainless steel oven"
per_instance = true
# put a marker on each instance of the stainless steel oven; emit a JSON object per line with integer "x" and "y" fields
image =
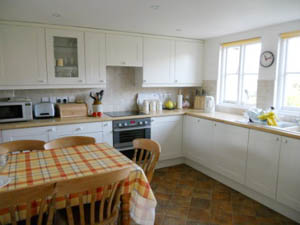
{"x": 125, "y": 131}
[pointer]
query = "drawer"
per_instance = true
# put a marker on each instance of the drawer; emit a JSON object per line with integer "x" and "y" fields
{"x": 27, "y": 131}
{"x": 155, "y": 120}
{"x": 80, "y": 128}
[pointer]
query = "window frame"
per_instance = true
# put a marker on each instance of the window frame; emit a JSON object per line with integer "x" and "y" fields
{"x": 281, "y": 78}
{"x": 241, "y": 75}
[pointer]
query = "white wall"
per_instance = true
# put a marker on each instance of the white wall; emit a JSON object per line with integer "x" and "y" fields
{"x": 269, "y": 36}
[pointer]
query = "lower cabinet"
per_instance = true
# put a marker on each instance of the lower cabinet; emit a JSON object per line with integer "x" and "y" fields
{"x": 101, "y": 131}
{"x": 230, "y": 151}
{"x": 288, "y": 191}
{"x": 198, "y": 140}
{"x": 168, "y": 132}
{"x": 262, "y": 162}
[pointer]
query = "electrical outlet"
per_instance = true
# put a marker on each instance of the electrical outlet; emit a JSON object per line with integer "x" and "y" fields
{"x": 52, "y": 99}
{"x": 72, "y": 99}
{"x": 62, "y": 99}
{"x": 45, "y": 99}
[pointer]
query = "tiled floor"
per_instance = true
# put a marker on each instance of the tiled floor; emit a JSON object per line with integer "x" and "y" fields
{"x": 188, "y": 197}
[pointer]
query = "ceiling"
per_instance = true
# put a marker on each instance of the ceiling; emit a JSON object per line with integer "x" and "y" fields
{"x": 183, "y": 18}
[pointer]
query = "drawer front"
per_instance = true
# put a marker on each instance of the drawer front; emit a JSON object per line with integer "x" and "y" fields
{"x": 155, "y": 120}
{"x": 27, "y": 131}
{"x": 80, "y": 128}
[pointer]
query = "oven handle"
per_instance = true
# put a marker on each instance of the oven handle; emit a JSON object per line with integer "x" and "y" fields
{"x": 131, "y": 128}
{"x": 125, "y": 148}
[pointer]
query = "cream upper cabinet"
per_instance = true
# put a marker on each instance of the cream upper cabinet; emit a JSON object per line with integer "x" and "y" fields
{"x": 124, "y": 50}
{"x": 65, "y": 56}
{"x": 230, "y": 151}
{"x": 22, "y": 55}
{"x": 158, "y": 61}
{"x": 262, "y": 163}
{"x": 95, "y": 58}
{"x": 288, "y": 191}
{"x": 188, "y": 63}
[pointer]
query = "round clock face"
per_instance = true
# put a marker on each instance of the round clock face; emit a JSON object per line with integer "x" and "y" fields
{"x": 266, "y": 59}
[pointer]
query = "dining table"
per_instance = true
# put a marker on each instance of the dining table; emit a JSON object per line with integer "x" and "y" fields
{"x": 32, "y": 168}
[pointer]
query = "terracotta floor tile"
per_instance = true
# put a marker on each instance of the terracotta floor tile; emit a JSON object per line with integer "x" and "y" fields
{"x": 199, "y": 203}
{"x": 177, "y": 211}
{"x": 188, "y": 197}
{"x": 199, "y": 215}
{"x": 168, "y": 220}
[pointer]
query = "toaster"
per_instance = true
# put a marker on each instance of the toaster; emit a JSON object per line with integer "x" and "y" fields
{"x": 43, "y": 110}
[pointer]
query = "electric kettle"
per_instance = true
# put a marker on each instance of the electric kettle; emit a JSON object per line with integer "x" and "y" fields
{"x": 209, "y": 104}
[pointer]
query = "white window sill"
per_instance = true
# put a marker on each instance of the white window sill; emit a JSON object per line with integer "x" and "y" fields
{"x": 285, "y": 112}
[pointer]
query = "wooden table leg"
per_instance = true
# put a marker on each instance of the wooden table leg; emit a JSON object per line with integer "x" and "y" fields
{"x": 125, "y": 207}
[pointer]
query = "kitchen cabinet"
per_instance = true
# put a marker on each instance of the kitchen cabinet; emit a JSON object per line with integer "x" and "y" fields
{"x": 35, "y": 133}
{"x": 198, "y": 140}
{"x": 94, "y": 130}
{"x": 65, "y": 56}
{"x": 168, "y": 132}
{"x": 262, "y": 162}
{"x": 95, "y": 58}
{"x": 22, "y": 55}
{"x": 159, "y": 62}
{"x": 188, "y": 63}
{"x": 288, "y": 191}
{"x": 230, "y": 151}
{"x": 124, "y": 50}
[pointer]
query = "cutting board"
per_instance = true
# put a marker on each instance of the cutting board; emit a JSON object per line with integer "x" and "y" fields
{"x": 72, "y": 110}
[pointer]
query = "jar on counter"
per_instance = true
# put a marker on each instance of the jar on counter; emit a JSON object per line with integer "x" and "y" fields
{"x": 159, "y": 106}
{"x": 153, "y": 106}
{"x": 146, "y": 106}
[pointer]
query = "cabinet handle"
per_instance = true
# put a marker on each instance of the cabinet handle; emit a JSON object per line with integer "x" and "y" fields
{"x": 144, "y": 81}
{"x": 123, "y": 63}
{"x": 285, "y": 141}
{"x": 198, "y": 121}
{"x": 105, "y": 125}
{"x": 51, "y": 130}
{"x": 176, "y": 81}
{"x": 79, "y": 129}
{"x": 101, "y": 81}
{"x": 80, "y": 81}
{"x": 277, "y": 139}
{"x": 41, "y": 81}
{"x": 152, "y": 120}
{"x": 215, "y": 124}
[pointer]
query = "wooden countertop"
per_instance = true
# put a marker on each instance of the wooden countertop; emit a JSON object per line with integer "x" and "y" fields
{"x": 232, "y": 119}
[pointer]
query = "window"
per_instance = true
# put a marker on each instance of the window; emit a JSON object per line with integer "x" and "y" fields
{"x": 289, "y": 72}
{"x": 239, "y": 72}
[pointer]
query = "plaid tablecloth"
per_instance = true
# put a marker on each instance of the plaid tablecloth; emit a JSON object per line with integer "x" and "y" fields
{"x": 27, "y": 169}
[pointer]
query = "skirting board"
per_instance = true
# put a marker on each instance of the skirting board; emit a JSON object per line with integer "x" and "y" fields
{"x": 169, "y": 162}
{"x": 280, "y": 208}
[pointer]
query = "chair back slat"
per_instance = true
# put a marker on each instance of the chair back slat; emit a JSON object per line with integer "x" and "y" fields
{"x": 108, "y": 182}
{"x": 21, "y": 145}
{"x": 15, "y": 198}
{"x": 146, "y": 161}
{"x": 71, "y": 141}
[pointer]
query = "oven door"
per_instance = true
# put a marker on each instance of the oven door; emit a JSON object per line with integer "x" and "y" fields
{"x": 123, "y": 137}
{"x": 12, "y": 112}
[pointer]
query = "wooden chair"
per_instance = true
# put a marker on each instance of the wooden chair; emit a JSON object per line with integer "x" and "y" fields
{"x": 25, "y": 197}
{"x": 69, "y": 142}
{"x": 146, "y": 155}
{"x": 21, "y": 145}
{"x": 108, "y": 208}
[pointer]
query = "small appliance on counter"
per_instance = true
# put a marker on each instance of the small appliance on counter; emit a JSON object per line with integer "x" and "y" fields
{"x": 15, "y": 111}
{"x": 209, "y": 104}
{"x": 44, "y": 110}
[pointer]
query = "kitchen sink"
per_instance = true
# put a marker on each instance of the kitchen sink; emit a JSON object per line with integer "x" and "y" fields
{"x": 293, "y": 129}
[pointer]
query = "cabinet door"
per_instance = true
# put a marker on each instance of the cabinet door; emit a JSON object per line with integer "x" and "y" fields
{"x": 158, "y": 61}
{"x": 188, "y": 63}
{"x": 197, "y": 140}
{"x": 36, "y": 133}
{"x": 289, "y": 169}
{"x": 230, "y": 151}
{"x": 22, "y": 55}
{"x": 123, "y": 50}
{"x": 65, "y": 56}
{"x": 97, "y": 135}
{"x": 107, "y": 133}
{"x": 262, "y": 162}
{"x": 95, "y": 58}
{"x": 168, "y": 132}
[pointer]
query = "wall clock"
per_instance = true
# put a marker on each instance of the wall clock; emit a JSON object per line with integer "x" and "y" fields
{"x": 266, "y": 59}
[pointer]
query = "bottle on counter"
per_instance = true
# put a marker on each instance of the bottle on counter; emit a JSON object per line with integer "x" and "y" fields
{"x": 146, "y": 106}
{"x": 153, "y": 106}
{"x": 179, "y": 100}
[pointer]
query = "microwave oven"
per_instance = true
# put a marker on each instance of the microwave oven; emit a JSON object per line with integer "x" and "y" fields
{"x": 15, "y": 111}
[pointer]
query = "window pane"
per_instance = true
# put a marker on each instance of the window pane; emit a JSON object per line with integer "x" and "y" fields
{"x": 292, "y": 90}
{"x": 252, "y": 53}
{"x": 249, "y": 89}
{"x": 232, "y": 60}
{"x": 293, "y": 55}
{"x": 231, "y": 88}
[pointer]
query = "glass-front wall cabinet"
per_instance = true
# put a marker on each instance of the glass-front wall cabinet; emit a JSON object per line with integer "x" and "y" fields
{"x": 65, "y": 56}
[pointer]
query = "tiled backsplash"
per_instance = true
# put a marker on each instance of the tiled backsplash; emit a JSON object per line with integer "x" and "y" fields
{"x": 119, "y": 95}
